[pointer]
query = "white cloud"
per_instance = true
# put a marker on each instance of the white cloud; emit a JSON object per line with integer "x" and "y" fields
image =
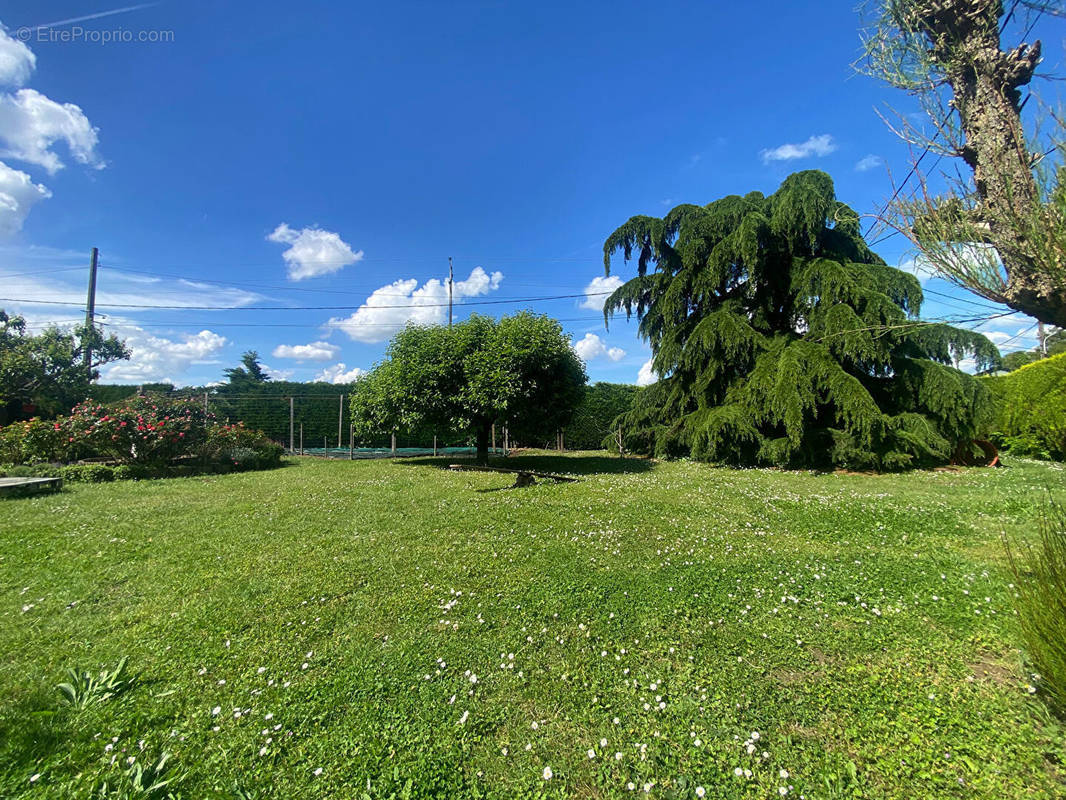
{"x": 158, "y": 359}
{"x": 62, "y": 295}
{"x": 17, "y": 61}
{"x": 646, "y": 376}
{"x": 919, "y": 268}
{"x": 313, "y": 251}
{"x": 278, "y": 374}
{"x": 18, "y": 194}
{"x": 316, "y": 351}
{"x": 31, "y": 123}
{"x": 595, "y": 291}
{"x": 973, "y": 256}
{"x": 815, "y": 146}
{"x": 868, "y": 163}
{"x": 592, "y": 346}
{"x": 389, "y": 309}
{"x": 339, "y": 373}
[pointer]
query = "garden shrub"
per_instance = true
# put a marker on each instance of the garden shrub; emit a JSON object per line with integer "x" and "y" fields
{"x": 1032, "y": 409}
{"x": 34, "y": 441}
{"x": 149, "y": 437}
{"x": 141, "y": 430}
{"x": 240, "y": 447}
{"x": 85, "y": 473}
{"x": 1041, "y": 603}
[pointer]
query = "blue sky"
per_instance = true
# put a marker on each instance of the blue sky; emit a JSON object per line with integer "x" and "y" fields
{"x": 333, "y": 156}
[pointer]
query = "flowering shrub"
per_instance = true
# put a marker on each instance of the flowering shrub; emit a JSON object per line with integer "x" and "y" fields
{"x": 147, "y": 436}
{"x": 141, "y": 430}
{"x": 35, "y": 441}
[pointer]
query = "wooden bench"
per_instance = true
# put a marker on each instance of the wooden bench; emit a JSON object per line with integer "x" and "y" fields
{"x": 523, "y": 477}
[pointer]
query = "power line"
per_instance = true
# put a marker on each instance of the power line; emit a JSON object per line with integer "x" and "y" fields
{"x": 1020, "y": 334}
{"x": 542, "y": 299}
{"x": 252, "y": 285}
{"x": 187, "y": 324}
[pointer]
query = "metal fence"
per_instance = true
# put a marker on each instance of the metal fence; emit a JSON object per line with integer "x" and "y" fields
{"x": 322, "y": 425}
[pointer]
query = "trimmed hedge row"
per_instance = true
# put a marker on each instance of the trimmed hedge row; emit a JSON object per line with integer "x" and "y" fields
{"x": 1032, "y": 409}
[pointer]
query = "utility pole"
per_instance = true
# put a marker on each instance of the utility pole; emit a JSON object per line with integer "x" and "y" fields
{"x": 1042, "y": 337}
{"x": 90, "y": 311}
{"x": 451, "y": 281}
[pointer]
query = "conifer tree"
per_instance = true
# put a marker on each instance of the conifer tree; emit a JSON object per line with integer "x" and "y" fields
{"x": 783, "y": 340}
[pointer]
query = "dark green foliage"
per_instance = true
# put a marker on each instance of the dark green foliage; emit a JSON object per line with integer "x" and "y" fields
{"x": 520, "y": 370}
{"x": 45, "y": 374}
{"x": 1032, "y": 409}
{"x": 264, "y": 406}
{"x": 1018, "y": 359}
{"x": 107, "y": 393}
{"x": 250, "y": 372}
{"x": 593, "y": 425}
{"x": 1041, "y": 603}
{"x": 1055, "y": 343}
{"x": 783, "y": 340}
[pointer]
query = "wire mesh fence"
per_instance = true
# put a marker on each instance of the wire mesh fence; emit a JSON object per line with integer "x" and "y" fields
{"x": 321, "y": 425}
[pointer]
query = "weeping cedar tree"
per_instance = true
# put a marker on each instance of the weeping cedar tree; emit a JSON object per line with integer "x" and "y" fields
{"x": 785, "y": 341}
{"x": 521, "y": 370}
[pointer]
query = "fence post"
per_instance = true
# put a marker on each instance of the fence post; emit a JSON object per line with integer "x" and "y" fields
{"x": 494, "y": 438}
{"x": 506, "y": 439}
{"x": 351, "y": 443}
{"x": 394, "y": 443}
{"x": 434, "y": 444}
{"x": 340, "y": 422}
{"x": 301, "y": 438}
{"x": 292, "y": 441}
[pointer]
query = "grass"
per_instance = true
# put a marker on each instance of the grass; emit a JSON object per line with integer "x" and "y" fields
{"x": 389, "y": 629}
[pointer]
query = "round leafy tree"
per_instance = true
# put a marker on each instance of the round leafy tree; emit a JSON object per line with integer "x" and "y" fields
{"x": 520, "y": 369}
{"x": 784, "y": 340}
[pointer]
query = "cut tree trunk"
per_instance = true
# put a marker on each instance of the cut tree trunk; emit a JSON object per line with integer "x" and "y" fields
{"x": 964, "y": 41}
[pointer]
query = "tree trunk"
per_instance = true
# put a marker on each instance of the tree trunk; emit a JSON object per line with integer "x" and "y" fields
{"x": 483, "y": 444}
{"x": 964, "y": 41}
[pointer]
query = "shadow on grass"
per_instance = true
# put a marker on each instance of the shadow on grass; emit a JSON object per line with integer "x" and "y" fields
{"x": 578, "y": 464}
{"x": 32, "y": 730}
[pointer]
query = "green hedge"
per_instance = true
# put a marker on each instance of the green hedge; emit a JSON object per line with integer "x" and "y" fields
{"x": 594, "y": 426}
{"x": 1032, "y": 409}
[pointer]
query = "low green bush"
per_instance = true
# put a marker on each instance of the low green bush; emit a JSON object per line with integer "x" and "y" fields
{"x": 240, "y": 447}
{"x": 85, "y": 473}
{"x": 1040, "y": 575}
{"x": 1031, "y": 419}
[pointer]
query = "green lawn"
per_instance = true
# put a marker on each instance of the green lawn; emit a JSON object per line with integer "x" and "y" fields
{"x": 335, "y": 628}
